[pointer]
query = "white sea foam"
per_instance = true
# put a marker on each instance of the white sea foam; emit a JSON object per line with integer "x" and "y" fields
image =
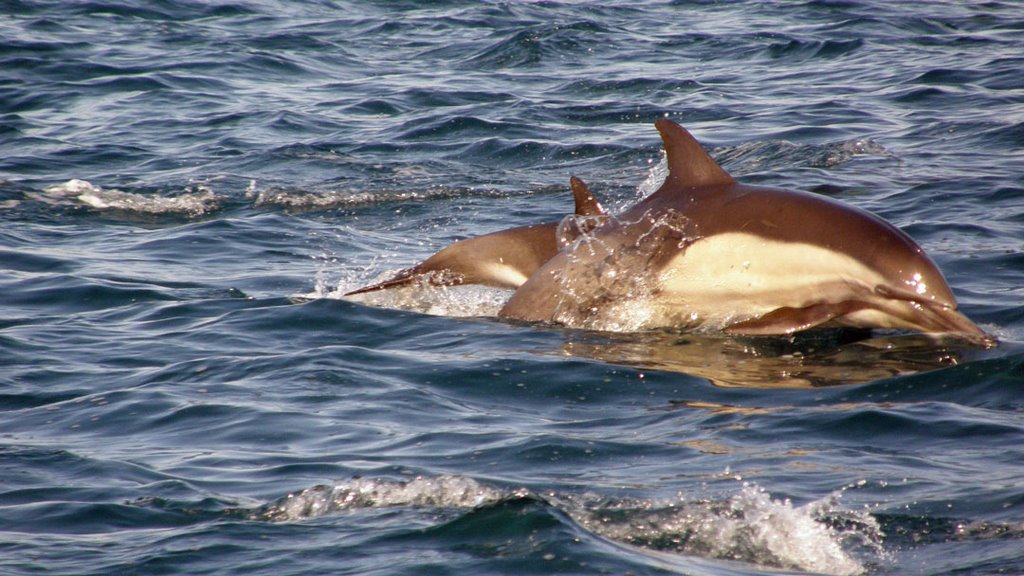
{"x": 438, "y": 491}
{"x": 194, "y": 201}
{"x": 750, "y": 526}
{"x": 295, "y": 199}
{"x": 298, "y": 200}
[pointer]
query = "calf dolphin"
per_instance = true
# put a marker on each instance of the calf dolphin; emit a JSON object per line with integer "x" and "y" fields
{"x": 504, "y": 259}
{"x": 704, "y": 251}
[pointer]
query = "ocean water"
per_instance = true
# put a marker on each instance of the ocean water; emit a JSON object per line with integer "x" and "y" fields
{"x": 187, "y": 188}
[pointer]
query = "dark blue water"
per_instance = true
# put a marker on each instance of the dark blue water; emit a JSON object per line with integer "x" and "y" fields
{"x": 187, "y": 188}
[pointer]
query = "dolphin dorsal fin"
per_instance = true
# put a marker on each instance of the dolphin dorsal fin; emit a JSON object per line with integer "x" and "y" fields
{"x": 688, "y": 164}
{"x": 586, "y": 204}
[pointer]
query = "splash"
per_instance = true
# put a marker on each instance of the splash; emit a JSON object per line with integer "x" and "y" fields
{"x": 600, "y": 286}
{"x": 749, "y": 527}
{"x": 574, "y": 226}
{"x": 655, "y": 178}
{"x": 194, "y": 202}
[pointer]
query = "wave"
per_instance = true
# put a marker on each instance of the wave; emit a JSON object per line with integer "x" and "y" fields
{"x": 772, "y": 154}
{"x": 534, "y": 44}
{"x": 750, "y": 526}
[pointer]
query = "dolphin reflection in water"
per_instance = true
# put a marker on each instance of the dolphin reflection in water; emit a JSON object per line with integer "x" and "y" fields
{"x": 707, "y": 253}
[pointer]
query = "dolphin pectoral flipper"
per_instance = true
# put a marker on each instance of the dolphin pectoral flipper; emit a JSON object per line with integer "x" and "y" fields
{"x": 787, "y": 320}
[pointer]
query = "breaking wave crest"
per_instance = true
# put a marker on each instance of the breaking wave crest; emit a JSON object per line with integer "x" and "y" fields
{"x": 440, "y": 492}
{"x": 749, "y": 526}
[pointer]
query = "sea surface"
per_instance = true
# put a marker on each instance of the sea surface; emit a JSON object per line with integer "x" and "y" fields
{"x": 188, "y": 188}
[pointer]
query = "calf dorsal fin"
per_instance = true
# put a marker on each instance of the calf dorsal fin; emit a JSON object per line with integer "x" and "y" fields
{"x": 586, "y": 204}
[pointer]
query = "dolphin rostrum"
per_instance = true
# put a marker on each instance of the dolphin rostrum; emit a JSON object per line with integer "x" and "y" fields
{"x": 706, "y": 251}
{"x": 504, "y": 259}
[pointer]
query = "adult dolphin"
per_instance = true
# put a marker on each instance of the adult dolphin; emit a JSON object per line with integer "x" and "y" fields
{"x": 706, "y": 251}
{"x": 504, "y": 259}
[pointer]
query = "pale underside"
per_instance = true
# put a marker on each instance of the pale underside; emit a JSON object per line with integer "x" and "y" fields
{"x": 732, "y": 277}
{"x": 736, "y": 282}
{"x": 504, "y": 275}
